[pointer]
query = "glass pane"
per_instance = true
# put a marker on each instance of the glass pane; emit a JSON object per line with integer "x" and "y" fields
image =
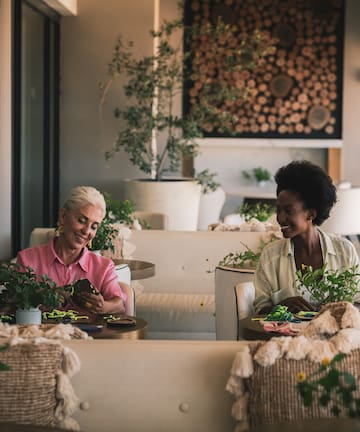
{"x": 32, "y": 121}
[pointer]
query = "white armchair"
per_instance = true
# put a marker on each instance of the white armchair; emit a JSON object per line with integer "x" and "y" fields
{"x": 234, "y": 294}
{"x": 245, "y": 296}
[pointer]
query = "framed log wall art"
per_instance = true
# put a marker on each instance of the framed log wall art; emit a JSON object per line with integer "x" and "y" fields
{"x": 296, "y": 92}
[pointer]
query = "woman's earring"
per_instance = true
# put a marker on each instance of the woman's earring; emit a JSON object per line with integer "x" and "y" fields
{"x": 89, "y": 244}
{"x": 59, "y": 229}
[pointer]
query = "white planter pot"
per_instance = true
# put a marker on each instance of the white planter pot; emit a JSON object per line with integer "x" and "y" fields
{"x": 210, "y": 208}
{"x": 28, "y": 316}
{"x": 179, "y": 199}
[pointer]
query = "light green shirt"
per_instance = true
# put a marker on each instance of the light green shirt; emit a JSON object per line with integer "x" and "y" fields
{"x": 275, "y": 278}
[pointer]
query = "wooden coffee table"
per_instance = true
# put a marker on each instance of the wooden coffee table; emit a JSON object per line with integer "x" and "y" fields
{"x": 138, "y": 269}
{"x": 135, "y": 331}
{"x": 253, "y": 330}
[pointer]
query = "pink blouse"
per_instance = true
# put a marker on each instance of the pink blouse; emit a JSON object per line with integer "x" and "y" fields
{"x": 99, "y": 270}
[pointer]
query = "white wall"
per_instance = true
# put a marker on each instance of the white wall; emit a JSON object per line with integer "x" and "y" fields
{"x": 5, "y": 128}
{"x": 87, "y": 41}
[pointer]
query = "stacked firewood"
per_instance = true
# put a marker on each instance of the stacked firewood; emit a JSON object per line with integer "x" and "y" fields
{"x": 296, "y": 91}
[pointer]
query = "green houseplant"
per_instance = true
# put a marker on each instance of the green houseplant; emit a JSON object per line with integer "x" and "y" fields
{"x": 23, "y": 291}
{"x": 117, "y": 212}
{"x": 105, "y": 235}
{"x": 327, "y": 286}
{"x": 151, "y": 130}
{"x": 259, "y": 174}
{"x": 260, "y": 211}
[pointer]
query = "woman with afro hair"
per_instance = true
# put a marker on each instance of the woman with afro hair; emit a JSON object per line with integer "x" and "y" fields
{"x": 305, "y": 196}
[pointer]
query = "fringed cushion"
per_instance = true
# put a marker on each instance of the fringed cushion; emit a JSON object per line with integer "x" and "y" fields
{"x": 37, "y": 390}
{"x": 263, "y": 377}
{"x": 273, "y": 396}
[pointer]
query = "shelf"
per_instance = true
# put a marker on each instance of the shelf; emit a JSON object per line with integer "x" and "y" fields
{"x": 253, "y": 192}
{"x": 270, "y": 143}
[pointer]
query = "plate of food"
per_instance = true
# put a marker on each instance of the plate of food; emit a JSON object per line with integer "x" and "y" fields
{"x": 119, "y": 320}
{"x": 306, "y": 315}
{"x": 66, "y": 317}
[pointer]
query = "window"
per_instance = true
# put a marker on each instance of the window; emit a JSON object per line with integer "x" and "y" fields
{"x": 36, "y": 119}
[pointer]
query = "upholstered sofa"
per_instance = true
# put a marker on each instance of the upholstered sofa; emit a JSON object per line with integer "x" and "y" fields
{"x": 180, "y": 301}
{"x": 113, "y": 385}
{"x": 154, "y": 385}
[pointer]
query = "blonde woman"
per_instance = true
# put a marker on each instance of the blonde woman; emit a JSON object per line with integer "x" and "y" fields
{"x": 66, "y": 258}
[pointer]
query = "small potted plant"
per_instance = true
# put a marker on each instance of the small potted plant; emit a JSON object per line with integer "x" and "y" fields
{"x": 118, "y": 211}
{"x": 24, "y": 292}
{"x": 260, "y": 175}
{"x": 328, "y": 286}
{"x": 260, "y": 211}
{"x": 105, "y": 236}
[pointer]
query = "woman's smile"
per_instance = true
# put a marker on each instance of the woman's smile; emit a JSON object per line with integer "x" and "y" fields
{"x": 80, "y": 226}
{"x": 82, "y": 239}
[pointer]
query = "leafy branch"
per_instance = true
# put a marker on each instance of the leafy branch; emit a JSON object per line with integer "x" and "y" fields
{"x": 207, "y": 181}
{"x": 247, "y": 258}
{"x": 326, "y": 286}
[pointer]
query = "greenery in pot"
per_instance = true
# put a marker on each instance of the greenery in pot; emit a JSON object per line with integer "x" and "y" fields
{"x": 105, "y": 235}
{"x": 258, "y": 175}
{"x": 150, "y": 130}
{"x": 23, "y": 290}
{"x": 327, "y": 286}
{"x": 260, "y": 211}
{"x": 207, "y": 181}
{"x": 119, "y": 211}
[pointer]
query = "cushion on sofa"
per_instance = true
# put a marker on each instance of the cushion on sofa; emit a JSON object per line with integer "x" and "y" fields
{"x": 263, "y": 377}
{"x": 36, "y": 389}
{"x": 170, "y": 312}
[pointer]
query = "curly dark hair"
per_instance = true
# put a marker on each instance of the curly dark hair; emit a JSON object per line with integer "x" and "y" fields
{"x": 313, "y": 185}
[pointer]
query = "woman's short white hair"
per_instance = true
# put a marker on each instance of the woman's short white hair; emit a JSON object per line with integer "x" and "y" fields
{"x": 81, "y": 196}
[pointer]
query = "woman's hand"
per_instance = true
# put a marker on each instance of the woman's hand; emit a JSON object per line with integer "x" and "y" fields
{"x": 93, "y": 302}
{"x": 296, "y": 304}
{"x": 96, "y": 304}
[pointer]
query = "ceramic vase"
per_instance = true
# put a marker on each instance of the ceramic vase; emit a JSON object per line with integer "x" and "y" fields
{"x": 28, "y": 316}
{"x": 210, "y": 208}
